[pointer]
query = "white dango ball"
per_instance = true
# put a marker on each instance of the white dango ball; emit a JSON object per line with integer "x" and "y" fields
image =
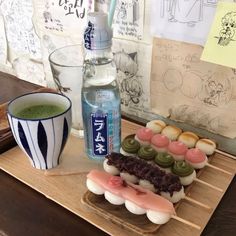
{"x": 94, "y": 188}
{"x": 187, "y": 180}
{"x": 176, "y": 197}
{"x": 147, "y": 185}
{"x": 206, "y": 145}
{"x": 110, "y": 168}
{"x": 114, "y": 199}
{"x": 133, "y": 208}
{"x": 158, "y": 217}
{"x": 129, "y": 178}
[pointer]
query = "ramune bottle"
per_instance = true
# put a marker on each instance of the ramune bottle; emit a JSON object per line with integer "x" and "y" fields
{"x": 100, "y": 92}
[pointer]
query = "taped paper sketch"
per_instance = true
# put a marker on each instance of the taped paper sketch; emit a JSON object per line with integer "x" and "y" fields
{"x": 191, "y": 13}
{"x": 189, "y": 90}
{"x": 19, "y": 27}
{"x": 220, "y": 47}
{"x": 64, "y": 17}
{"x": 133, "y": 75}
{"x": 182, "y": 19}
{"x": 130, "y": 86}
{"x": 128, "y": 19}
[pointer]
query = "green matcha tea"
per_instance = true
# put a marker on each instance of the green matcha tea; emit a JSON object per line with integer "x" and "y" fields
{"x": 40, "y": 111}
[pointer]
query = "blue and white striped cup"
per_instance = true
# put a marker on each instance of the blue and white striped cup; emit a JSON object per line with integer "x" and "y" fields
{"x": 42, "y": 140}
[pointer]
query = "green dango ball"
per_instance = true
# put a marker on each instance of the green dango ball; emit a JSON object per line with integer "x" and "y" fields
{"x": 182, "y": 169}
{"x": 130, "y": 145}
{"x": 147, "y": 153}
{"x": 164, "y": 160}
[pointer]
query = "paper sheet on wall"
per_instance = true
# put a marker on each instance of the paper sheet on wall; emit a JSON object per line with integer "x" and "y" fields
{"x": 189, "y": 90}
{"x": 19, "y": 28}
{"x": 130, "y": 22}
{"x": 63, "y": 17}
{"x": 134, "y": 66}
{"x": 221, "y": 43}
{"x": 182, "y": 20}
{"x": 59, "y": 23}
{"x": 129, "y": 19}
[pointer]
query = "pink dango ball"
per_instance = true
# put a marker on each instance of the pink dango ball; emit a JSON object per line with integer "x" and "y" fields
{"x": 160, "y": 143}
{"x": 144, "y": 136}
{"x": 196, "y": 158}
{"x": 178, "y": 150}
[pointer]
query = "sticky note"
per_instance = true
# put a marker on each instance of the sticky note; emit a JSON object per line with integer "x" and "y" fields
{"x": 220, "y": 47}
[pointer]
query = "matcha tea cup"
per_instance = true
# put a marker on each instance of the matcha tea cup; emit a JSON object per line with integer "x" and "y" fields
{"x": 41, "y": 123}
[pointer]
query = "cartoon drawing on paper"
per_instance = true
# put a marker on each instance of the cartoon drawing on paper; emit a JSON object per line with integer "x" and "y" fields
{"x": 122, "y": 12}
{"x": 129, "y": 81}
{"x": 47, "y": 16}
{"x": 228, "y": 27}
{"x": 124, "y": 6}
{"x": 20, "y": 32}
{"x": 189, "y": 12}
{"x": 214, "y": 90}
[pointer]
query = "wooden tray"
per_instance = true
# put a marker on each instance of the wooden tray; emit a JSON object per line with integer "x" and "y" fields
{"x": 118, "y": 214}
{"x": 69, "y": 190}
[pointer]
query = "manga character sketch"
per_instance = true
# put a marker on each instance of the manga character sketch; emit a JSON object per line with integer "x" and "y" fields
{"x": 184, "y": 11}
{"x": 122, "y": 9}
{"x": 214, "y": 90}
{"x": 129, "y": 81}
{"x": 228, "y": 27}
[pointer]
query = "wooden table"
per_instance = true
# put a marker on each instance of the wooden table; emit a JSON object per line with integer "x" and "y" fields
{"x": 27, "y": 212}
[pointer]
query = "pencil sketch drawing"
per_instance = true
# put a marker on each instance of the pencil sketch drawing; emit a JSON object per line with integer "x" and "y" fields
{"x": 228, "y": 27}
{"x": 123, "y": 7}
{"x": 198, "y": 118}
{"x": 216, "y": 90}
{"x": 213, "y": 90}
{"x": 188, "y": 12}
{"x": 172, "y": 79}
{"x": 129, "y": 81}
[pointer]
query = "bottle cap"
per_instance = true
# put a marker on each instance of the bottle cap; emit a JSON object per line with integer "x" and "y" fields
{"x": 97, "y": 35}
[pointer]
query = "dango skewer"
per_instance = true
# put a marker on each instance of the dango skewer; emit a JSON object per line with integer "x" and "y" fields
{"x": 131, "y": 147}
{"x": 132, "y": 174}
{"x": 190, "y": 139}
{"x": 118, "y": 192}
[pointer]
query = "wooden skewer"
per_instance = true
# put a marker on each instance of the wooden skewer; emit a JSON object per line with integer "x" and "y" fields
{"x": 63, "y": 172}
{"x": 208, "y": 185}
{"x": 219, "y": 169}
{"x": 186, "y": 222}
{"x": 225, "y": 154}
{"x": 197, "y": 203}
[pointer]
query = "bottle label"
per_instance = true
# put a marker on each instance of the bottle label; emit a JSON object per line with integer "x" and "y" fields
{"x": 88, "y": 35}
{"x": 100, "y": 136}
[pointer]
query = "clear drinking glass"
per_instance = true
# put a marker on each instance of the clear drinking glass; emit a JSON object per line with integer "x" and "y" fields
{"x": 67, "y": 69}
